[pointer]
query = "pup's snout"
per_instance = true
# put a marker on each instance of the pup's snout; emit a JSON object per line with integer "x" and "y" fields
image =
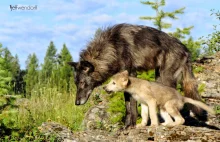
{"x": 105, "y": 88}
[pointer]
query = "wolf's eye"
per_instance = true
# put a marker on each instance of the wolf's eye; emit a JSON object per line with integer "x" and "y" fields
{"x": 82, "y": 84}
{"x": 113, "y": 83}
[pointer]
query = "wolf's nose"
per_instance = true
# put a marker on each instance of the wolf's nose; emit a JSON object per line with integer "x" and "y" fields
{"x": 77, "y": 102}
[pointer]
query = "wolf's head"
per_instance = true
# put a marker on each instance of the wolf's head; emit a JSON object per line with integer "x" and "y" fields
{"x": 86, "y": 79}
{"x": 118, "y": 82}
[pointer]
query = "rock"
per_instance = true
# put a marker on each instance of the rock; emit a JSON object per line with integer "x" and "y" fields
{"x": 61, "y": 132}
{"x": 210, "y": 75}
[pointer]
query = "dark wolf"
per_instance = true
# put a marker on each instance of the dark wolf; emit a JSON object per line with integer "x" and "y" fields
{"x": 134, "y": 48}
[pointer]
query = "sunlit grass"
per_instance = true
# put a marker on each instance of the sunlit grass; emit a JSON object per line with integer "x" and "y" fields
{"x": 50, "y": 105}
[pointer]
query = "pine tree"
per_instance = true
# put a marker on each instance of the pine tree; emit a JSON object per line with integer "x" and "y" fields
{"x": 12, "y": 65}
{"x": 181, "y": 34}
{"x": 50, "y": 62}
{"x": 5, "y": 75}
{"x": 15, "y": 67}
{"x": 65, "y": 71}
{"x": 31, "y": 78}
{"x": 160, "y": 14}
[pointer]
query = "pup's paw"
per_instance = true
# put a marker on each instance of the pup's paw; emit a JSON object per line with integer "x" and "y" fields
{"x": 140, "y": 126}
{"x": 168, "y": 124}
{"x": 154, "y": 124}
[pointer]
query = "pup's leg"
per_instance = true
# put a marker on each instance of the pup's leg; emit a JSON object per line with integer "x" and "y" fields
{"x": 144, "y": 115}
{"x": 166, "y": 117}
{"x": 174, "y": 112}
{"x": 153, "y": 112}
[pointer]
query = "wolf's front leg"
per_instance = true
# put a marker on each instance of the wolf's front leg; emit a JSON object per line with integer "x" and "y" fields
{"x": 152, "y": 104}
{"x": 144, "y": 115}
{"x": 131, "y": 110}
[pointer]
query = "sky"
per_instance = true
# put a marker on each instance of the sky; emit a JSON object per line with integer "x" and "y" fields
{"x": 74, "y": 22}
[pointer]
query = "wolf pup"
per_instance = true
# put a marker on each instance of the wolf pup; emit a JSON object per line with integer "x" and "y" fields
{"x": 153, "y": 95}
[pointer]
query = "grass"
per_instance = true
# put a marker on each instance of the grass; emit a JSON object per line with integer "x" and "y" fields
{"x": 51, "y": 105}
{"x": 20, "y": 123}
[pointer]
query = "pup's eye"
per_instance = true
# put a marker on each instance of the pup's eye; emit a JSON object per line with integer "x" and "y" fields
{"x": 113, "y": 83}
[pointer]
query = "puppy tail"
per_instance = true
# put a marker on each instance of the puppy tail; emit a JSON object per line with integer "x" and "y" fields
{"x": 199, "y": 104}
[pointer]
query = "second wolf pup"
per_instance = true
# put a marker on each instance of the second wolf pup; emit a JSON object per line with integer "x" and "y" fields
{"x": 152, "y": 95}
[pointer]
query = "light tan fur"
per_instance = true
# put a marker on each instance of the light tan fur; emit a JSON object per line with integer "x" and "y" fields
{"x": 152, "y": 95}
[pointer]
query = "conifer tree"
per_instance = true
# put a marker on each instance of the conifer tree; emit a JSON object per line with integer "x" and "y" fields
{"x": 65, "y": 71}
{"x": 160, "y": 14}
{"x": 5, "y": 75}
{"x": 181, "y": 34}
{"x": 50, "y": 62}
{"x": 12, "y": 65}
{"x": 31, "y": 78}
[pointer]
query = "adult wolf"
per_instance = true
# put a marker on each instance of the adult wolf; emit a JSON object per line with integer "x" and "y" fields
{"x": 133, "y": 48}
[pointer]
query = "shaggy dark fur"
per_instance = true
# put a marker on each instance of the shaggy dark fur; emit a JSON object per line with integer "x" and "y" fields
{"x": 133, "y": 48}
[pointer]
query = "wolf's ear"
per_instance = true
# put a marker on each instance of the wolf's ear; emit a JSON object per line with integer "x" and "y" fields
{"x": 73, "y": 64}
{"x": 86, "y": 67}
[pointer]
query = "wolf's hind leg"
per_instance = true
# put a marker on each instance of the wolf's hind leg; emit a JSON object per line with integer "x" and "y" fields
{"x": 166, "y": 117}
{"x": 174, "y": 112}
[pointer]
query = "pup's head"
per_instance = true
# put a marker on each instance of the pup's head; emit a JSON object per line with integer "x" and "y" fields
{"x": 118, "y": 82}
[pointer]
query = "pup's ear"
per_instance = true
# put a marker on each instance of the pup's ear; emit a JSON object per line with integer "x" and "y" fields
{"x": 125, "y": 73}
{"x": 86, "y": 67}
{"x": 73, "y": 64}
{"x": 125, "y": 81}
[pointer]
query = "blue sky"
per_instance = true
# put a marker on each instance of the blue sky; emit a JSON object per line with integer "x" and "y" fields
{"x": 74, "y": 22}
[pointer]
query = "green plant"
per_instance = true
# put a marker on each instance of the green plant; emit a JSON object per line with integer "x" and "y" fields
{"x": 217, "y": 109}
{"x": 116, "y": 107}
{"x": 198, "y": 69}
{"x": 211, "y": 43}
{"x": 48, "y": 104}
{"x": 8, "y": 115}
{"x": 201, "y": 88}
{"x": 149, "y": 75}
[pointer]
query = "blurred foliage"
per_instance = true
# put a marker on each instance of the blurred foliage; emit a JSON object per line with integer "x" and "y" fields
{"x": 211, "y": 42}
{"x": 116, "y": 107}
{"x": 197, "y": 69}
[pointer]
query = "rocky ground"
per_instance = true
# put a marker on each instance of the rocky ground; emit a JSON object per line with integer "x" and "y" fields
{"x": 98, "y": 128}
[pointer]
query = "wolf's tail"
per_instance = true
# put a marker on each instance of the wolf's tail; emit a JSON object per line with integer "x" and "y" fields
{"x": 199, "y": 104}
{"x": 190, "y": 89}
